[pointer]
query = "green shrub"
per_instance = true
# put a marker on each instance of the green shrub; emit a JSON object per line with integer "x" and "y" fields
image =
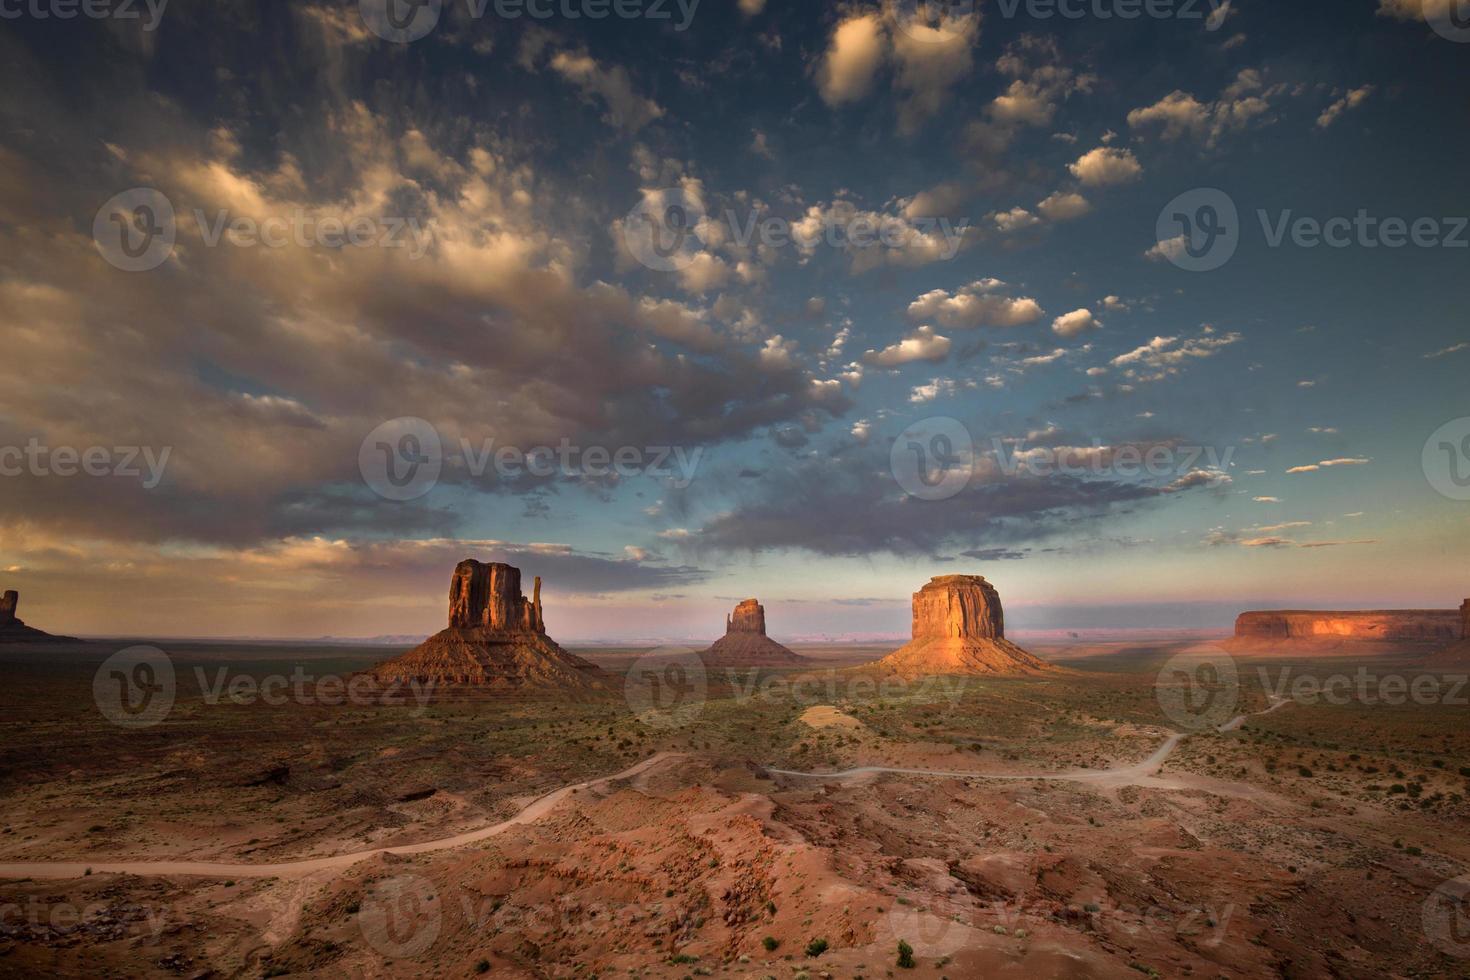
{"x": 905, "y": 955}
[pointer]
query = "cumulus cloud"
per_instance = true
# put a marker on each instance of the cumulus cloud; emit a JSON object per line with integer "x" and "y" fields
{"x": 1106, "y": 166}
{"x": 1064, "y": 206}
{"x": 921, "y": 345}
{"x": 1246, "y": 101}
{"x": 1074, "y": 323}
{"x": 982, "y": 303}
{"x": 850, "y": 65}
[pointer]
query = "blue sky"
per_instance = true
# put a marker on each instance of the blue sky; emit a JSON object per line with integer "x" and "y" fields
{"x": 1019, "y": 167}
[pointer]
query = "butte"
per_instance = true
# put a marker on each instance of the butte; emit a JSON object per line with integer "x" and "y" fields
{"x": 959, "y": 628}
{"x": 496, "y": 640}
{"x": 745, "y": 643}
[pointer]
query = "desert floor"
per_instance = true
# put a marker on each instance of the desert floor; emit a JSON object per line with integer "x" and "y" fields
{"x": 1057, "y": 827}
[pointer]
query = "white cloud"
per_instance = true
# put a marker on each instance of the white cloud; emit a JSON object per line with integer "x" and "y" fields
{"x": 1016, "y": 219}
{"x": 979, "y": 304}
{"x": 853, "y": 58}
{"x": 1105, "y": 166}
{"x": 1064, "y": 206}
{"x": 1074, "y": 323}
{"x": 1245, "y": 101}
{"x": 626, "y": 109}
{"x": 1350, "y": 100}
{"x": 1452, "y": 349}
{"x": 922, "y": 345}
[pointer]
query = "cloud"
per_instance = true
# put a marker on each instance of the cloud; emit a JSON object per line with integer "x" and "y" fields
{"x": 1444, "y": 352}
{"x": 921, "y": 345}
{"x": 626, "y": 109}
{"x": 1106, "y": 166}
{"x": 1016, "y": 219}
{"x": 1165, "y": 356}
{"x": 1074, "y": 324}
{"x": 1416, "y": 10}
{"x": 931, "y": 60}
{"x": 980, "y": 304}
{"x": 1267, "y": 500}
{"x": 852, "y": 60}
{"x": 1350, "y": 100}
{"x": 1064, "y": 206}
{"x": 1329, "y": 463}
{"x": 1244, "y": 102}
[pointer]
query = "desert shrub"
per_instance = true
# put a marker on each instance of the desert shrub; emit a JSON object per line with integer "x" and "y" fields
{"x": 905, "y": 955}
{"x": 816, "y": 947}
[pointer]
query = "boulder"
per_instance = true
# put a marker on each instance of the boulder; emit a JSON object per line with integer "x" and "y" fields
{"x": 958, "y": 628}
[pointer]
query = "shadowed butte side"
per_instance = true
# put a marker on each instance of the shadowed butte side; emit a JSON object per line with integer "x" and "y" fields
{"x": 959, "y": 628}
{"x": 496, "y": 639}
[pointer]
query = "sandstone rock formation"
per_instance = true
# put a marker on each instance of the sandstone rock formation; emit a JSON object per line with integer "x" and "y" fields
{"x": 14, "y": 630}
{"x": 1455, "y": 655}
{"x": 496, "y": 640}
{"x": 745, "y": 643}
{"x": 1313, "y": 630}
{"x": 959, "y": 628}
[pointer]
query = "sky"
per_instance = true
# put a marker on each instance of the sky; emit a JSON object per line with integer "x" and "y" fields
{"x": 855, "y": 294}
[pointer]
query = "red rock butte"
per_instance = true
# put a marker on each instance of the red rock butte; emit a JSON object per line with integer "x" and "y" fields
{"x": 745, "y": 643}
{"x": 959, "y": 628}
{"x": 14, "y": 629}
{"x": 496, "y": 640}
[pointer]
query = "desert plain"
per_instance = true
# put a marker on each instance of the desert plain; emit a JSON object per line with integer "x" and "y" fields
{"x": 1307, "y": 841}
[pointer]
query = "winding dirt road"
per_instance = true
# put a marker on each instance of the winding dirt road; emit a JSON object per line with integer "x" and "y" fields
{"x": 1142, "y": 771}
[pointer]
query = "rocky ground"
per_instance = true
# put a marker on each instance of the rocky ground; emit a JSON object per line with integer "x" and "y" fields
{"x": 1291, "y": 847}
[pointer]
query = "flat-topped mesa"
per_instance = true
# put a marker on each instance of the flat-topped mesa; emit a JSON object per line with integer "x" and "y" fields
{"x": 958, "y": 606}
{"x": 749, "y": 617}
{"x": 8, "y": 605}
{"x": 1324, "y": 627}
{"x": 488, "y": 595}
{"x": 959, "y": 628}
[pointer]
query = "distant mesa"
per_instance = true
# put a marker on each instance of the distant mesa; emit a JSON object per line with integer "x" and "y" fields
{"x": 14, "y": 630}
{"x": 496, "y": 640}
{"x": 1307, "y": 631}
{"x": 745, "y": 643}
{"x": 959, "y": 628}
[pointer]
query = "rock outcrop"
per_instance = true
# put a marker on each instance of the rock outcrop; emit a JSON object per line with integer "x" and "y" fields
{"x": 496, "y": 640}
{"x": 1457, "y": 654}
{"x": 14, "y": 629}
{"x": 745, "y": 643}
{"x": 1302, "y": 630}
{"x": 959, "y": 628}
